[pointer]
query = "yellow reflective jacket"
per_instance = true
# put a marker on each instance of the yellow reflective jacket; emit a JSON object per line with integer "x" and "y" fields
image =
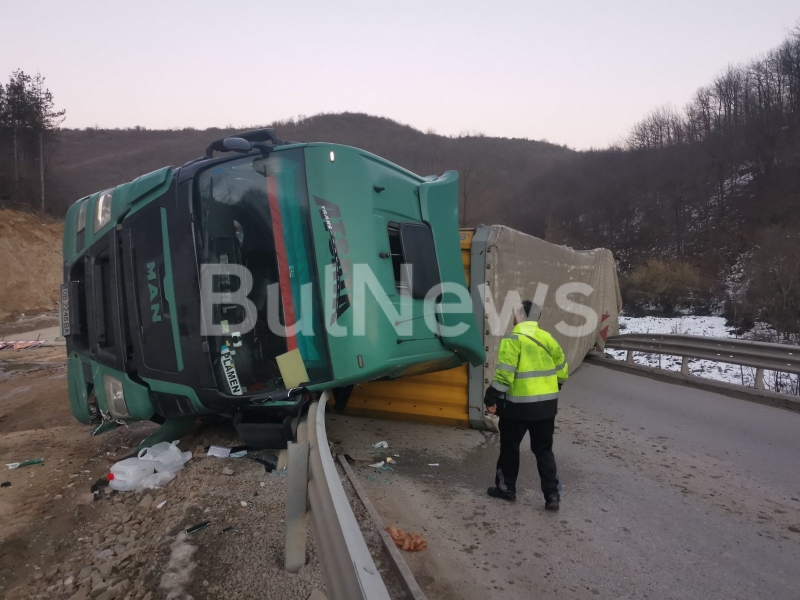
{"x": 530, "y": 365}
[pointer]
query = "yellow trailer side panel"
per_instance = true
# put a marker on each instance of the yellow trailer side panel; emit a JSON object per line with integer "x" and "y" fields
{"x": 439, "y": 397}
{"x": 466, "y": 246}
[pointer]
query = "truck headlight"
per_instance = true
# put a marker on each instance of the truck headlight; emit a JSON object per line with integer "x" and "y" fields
{"x": 82, "y": 217}
{"x": 115, "y": 397}
{"x": 102, "y": 211}
{"x": 81, "y": 229}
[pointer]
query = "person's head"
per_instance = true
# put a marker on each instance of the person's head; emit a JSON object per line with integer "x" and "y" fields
{"x": 527, "y": 311}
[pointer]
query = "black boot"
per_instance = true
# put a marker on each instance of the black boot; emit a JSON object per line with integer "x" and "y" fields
{"x": 552, "y": 503}
{"x": 496, "y": 492}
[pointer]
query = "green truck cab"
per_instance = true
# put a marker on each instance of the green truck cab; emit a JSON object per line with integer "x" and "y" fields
{"x": 244, "y": 282}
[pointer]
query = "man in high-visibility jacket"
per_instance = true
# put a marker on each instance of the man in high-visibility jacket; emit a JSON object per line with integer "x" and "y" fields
{"x": 531, "y": 367}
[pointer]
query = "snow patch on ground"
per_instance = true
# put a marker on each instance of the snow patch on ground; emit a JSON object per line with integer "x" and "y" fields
{"x": 178, "y": 574}
{"x": 684, "y": 325}
{"x": 710, "y": 326}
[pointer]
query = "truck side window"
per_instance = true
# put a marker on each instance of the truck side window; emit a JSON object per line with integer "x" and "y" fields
{"x": 416, "y": 269}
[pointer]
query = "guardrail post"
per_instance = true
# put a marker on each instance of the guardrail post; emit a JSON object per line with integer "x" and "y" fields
{"x": 296, "y": 507}
{"x": 685, "y": 365}
{"x": 759, "y": 378}
{"x": 629, "y": 358}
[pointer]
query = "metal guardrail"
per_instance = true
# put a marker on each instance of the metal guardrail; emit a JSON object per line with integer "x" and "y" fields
{"x": 761, "y": 355}
{"x": 314, "y": 485}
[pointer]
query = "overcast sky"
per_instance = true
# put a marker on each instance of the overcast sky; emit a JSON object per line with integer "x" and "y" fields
{"x": 577, "y": 73}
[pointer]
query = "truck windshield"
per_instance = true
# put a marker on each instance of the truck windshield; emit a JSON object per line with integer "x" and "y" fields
{"x": 254, "y": 212}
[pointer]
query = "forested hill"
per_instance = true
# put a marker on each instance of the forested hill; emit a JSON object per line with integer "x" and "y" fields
{"x": 701, "y": 206}
{"x": 495, "y": 173}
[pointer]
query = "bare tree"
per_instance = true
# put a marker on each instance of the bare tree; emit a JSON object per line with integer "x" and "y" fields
{"x": 47, "y": 120}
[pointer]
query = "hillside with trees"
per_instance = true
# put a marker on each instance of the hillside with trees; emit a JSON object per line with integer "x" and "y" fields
{"x": 699, "y": 205}
{"x": 493, "y": 171}
{"x": 28, "y": 131}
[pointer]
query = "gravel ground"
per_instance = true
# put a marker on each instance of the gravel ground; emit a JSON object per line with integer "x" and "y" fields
{"x": 59, "y": 540}
{"x": 138, "y": 550}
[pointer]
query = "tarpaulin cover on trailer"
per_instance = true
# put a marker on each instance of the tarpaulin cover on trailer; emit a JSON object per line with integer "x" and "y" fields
{"x": 578, "y": 291}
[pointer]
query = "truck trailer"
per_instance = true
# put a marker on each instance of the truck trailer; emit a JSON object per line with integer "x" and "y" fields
{"x": 246, "y": 281}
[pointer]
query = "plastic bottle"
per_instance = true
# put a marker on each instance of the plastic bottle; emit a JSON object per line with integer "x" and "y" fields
{"x": 126, "y": 475}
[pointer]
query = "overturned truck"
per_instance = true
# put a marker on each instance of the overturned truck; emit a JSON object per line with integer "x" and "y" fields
{"x": 245, "y": 281}
{"x": 578, "y": 291}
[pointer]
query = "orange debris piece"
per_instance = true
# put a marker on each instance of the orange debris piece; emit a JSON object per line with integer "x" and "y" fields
{"x": 410, "y": 542}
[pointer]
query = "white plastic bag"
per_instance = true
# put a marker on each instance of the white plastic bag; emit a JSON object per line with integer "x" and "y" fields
{"x": 157, "y": 480}
{"x": 492, "y": 422}
{"x": 166, "y": 457}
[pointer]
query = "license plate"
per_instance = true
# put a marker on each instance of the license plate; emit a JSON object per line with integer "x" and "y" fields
{"x": 64, "y": 309}
{"x": 230, "y": 372}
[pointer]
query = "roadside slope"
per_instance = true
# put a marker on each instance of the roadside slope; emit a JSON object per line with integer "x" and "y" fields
{"x": 30, "y": 263}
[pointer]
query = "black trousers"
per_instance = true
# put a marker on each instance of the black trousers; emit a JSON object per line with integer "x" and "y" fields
{"x": 511, "y": 434}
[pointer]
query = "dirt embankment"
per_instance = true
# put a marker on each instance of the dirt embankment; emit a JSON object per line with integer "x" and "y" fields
{"x": 30, "y": 263}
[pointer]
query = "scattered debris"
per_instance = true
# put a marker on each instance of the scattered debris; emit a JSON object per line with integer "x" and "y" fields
{"x": 243, "y": 503}
{"x": 269, "y": 466}
{"x": 380, "y": 445}
{"x": 239, "y": 454}
{"x": 410, "y": 542}
{"x": 227, "y": 471}
{"x": 157, "y": 480}
{"x": 390, "y": 460}
{"x": 145, "y": 503}
{"x": 25, "y": 463}
{"x": 227, "y": 529}
{"x": 165, "y": 456}
{"x": 377, "y": 465}
{"x": 160, "y": 504}
{"x": 219, "y": 451}
{"x": 433, "y": 464}
{"x": 22, "y": 345}
{"x": 198, "y": 527}
{"x": 153, "y": 468}
{"x": 97, "y": 486}
{"x": 5, "y": 484}
{"x": 127, "y": 475}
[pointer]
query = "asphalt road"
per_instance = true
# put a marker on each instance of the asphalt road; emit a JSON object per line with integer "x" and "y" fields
{"x": 669, "y": 492}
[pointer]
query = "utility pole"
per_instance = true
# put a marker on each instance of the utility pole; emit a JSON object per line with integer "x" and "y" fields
{"x": 41, "y": 166}
{"x": 16, "y": 168}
